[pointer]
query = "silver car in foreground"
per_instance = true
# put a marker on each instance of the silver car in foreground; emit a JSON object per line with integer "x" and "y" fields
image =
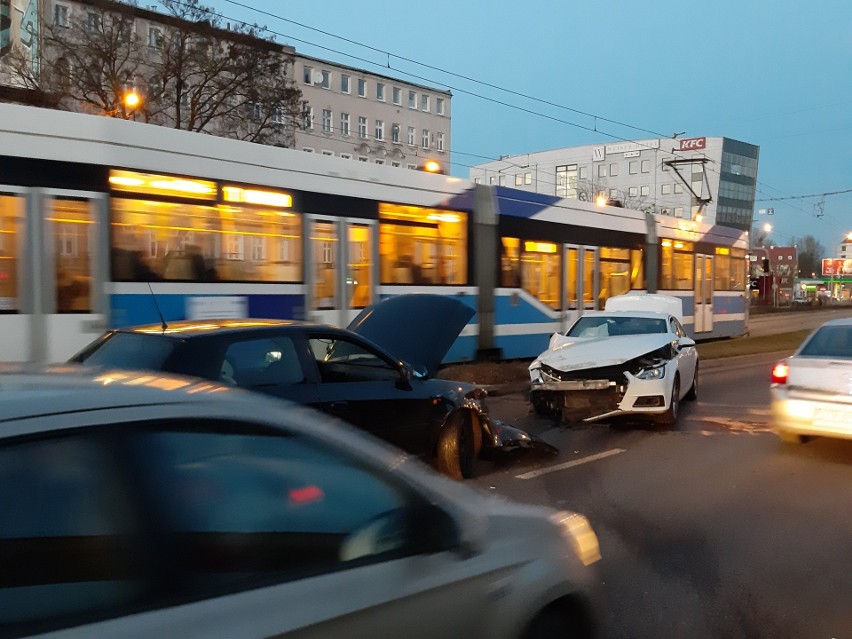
{"x": 812, "y": 390}
{"x": 145, "y": 505}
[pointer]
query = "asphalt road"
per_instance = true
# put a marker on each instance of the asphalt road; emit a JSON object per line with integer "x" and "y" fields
{"x": 711, "y": 529}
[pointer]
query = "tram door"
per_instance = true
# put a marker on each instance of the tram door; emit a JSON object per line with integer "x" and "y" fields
{"x": 703, "y": 293}
{"x": 341, "y": 279}
{"x": 581, "y": 282}
{"x": 53, "y": 265}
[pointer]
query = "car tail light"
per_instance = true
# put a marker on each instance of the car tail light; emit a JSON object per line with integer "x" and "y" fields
{"x": 780, "y": 372}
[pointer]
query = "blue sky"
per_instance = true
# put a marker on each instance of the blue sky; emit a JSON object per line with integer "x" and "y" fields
{"x": 774, "y": 73}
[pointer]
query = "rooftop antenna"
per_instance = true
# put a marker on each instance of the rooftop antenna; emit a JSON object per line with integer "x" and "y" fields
{"x": 157, "y": 306}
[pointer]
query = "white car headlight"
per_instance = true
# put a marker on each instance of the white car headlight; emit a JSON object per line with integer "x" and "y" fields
{"x": 657, "y": 372}
{"x": 577, "y": 531}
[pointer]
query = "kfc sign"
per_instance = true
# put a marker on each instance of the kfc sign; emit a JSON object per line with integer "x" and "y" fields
{"x": 693, "y": 144}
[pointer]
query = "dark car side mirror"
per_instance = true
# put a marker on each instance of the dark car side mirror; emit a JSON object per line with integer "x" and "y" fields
{"x": 403, "y": 380}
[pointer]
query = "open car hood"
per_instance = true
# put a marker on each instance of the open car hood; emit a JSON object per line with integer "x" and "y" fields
{"x": 577, "y": 353}
{"x": 416, "y": 328}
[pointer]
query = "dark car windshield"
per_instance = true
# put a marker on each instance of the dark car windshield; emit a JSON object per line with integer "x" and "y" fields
{"x": 830, "y": 341}
{"x": 130, "y": 350}
{"x": 592, "y": 326}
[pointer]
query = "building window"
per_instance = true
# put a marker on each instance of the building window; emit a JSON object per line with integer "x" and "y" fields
{"x": 346, "y": 156}
{"x": 60, "y": 15}
{"x": 633, "y": 167}
{"x": 412, "y": 99}
{"x": 678, "y": 212}
{"x": 527, "y": 178}
{"x": 380, "y": 130}
{"x": 613, "y": 170}
{"x": 396, "y": 164}
{"x": 646, "y": 166}
{"x": 308, "y": 74}
{"x": 439, "y": 106}
{"x": 345, "y": 82}
{"x": 633, "y": 191}
{"x": 380, "y": 161}
{"x": 613, "y": 193}
{"x": 309, "y": 117}
{"x": 327, "y": 152}
{"x": 424, "y": 102}
{"x": 395, "y": 134}
{"x": 325, "y": 83}
{"x": 93, "y": 22}
{"x": 362, "y": 128}
{"x": 424, "y": 139}
{"x": 645, "y": 190}
{"x": 397, "y": 96}
{"x": 277, "y": 114}
{"x": 411, "y": 167}
{"x": 307, "y": 149}
{"x": 344, "y": 124}
{"x": 326, "y": 121}
{"x": 362, "y": 88}
{"x": 519, "y": 179}
{"x": 678, "y": 189}
{"x": 380, "y": 91}
{"x": 666, "y": 189}
{"x": 155, "y": 37}
{"x": 363, "y": 158}
{"x": 583, "y": 173}
{"x": 411, "y": 135}
{"x": 439, "y": 141}
{"x": 601, "y": 170}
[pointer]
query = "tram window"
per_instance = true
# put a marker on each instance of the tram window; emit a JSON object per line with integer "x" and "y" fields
{"x": 422, "y": 246}
{"x": 510, "y": 262}
{"x": 199, "y": 242}
{"x": 676, "y": 265}
{"x": 11, "y": 219}
{"x": 730, "y": 269}
{"x": 615, "y": 273}
{"x": 73, "y": 225}
{"x": 541, "y": 266}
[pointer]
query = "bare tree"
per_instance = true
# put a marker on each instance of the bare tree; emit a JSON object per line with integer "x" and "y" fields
{"x": 227, "y": 82}
{"x": 810, "y": 253}
{"x": 190, "y": 72}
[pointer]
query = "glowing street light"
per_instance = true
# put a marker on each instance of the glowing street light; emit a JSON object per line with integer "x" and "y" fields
{"x": 132, "y": 99}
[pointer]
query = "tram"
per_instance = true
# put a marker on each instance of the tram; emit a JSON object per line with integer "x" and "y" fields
{"x": 106, "y": 222}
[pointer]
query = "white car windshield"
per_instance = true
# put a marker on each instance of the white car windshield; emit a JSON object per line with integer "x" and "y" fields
{"x": 591, "y": 326}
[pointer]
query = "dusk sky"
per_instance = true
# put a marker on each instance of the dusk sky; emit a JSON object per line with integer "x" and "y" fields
{"x": 774, "y": 73}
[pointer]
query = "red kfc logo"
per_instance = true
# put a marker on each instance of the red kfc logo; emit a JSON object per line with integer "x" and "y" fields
{"x": 693, "y": 144}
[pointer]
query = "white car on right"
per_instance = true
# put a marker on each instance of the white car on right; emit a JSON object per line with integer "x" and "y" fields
{"x": 812, "y": 389}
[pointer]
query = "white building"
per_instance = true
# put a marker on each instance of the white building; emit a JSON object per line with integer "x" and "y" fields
{"x": 370, "y": 117}
{"x": 713, "y": 177}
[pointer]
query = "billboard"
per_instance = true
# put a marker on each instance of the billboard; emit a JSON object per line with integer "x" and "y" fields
{"x": 835, "y": 267}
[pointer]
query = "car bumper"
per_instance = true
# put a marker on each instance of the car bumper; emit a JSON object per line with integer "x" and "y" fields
{"x": 811, "y": 417}
{"x": 597, "y": 399}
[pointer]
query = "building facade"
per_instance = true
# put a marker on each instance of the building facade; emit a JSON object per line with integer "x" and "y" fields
{"x": 349, "y": 112}
{"x": 711, "y": 177}
{"x": 364, "y": 116}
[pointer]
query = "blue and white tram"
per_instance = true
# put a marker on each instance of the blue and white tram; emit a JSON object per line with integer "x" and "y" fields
{"x": 106, "y": 223}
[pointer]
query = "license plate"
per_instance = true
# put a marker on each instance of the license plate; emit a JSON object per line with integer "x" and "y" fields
{"x": 834, "y": 417}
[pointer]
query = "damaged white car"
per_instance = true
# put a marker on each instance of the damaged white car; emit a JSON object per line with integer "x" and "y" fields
{"x": 634, "y": 358}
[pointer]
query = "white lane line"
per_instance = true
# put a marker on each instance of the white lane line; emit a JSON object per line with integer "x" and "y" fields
{"x": 585, "y": 460}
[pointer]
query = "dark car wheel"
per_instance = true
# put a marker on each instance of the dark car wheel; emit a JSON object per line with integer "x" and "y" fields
{"x": 546, "y": 402}
{"x": 458, "y": 446}
{"x": 669, "y": 418}
{"x": 561, "y": 622}
{"x": 692, "y": 393}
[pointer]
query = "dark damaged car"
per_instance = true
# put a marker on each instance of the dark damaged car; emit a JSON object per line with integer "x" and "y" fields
{"x": 378, "y": 374}
{"x": 632, "y": 359}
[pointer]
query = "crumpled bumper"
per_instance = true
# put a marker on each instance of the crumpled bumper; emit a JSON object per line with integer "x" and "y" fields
{"x": 505, "y": 438}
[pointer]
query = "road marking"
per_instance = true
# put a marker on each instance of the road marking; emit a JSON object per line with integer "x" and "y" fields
{"x": 585, "y": 460}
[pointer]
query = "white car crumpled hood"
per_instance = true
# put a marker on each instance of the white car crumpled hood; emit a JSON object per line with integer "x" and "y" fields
{"x": 577, "y": 353}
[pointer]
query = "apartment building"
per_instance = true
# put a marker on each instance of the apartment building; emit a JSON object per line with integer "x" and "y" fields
{"x": 711, "y": 177}
{"x": 369, "y": 117}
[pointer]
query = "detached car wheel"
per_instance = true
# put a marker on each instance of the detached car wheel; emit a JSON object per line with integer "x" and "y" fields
{"x": 458, "y": 446}
{"x": 669, "y": 418}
